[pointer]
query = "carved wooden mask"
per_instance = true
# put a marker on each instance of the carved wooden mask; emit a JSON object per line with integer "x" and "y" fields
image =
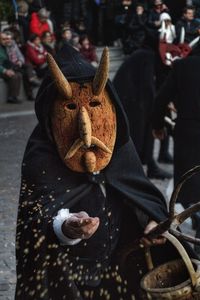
{"x": 83, "y": 120}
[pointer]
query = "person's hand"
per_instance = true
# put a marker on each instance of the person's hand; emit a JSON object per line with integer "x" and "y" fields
{"x": 157, "y": 23}
{"x": 159, "y": 133}
{"x": 172, "y": 107}
{"x": 19, "y": 63}
{"x": 80, "y": 226}
{"x": 9, "y": 73}
{"x": 164, "y": 7}
{"x": 146, "y": 242}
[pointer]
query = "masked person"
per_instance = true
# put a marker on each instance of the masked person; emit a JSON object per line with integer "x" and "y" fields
{"x": 181, "y": 87}
{"x": 135, "y": 85}
{"x": 84, "y": 195}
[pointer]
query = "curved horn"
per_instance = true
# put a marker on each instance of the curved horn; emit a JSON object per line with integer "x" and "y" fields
{"x": 62, "y": 83}
{"x": 101, "y": 75}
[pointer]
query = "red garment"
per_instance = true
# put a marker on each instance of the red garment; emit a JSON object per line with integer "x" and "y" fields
{"x": 36, "y": 26}
{"x": 35, "y": 55}
{"x": 176, "y": 51}
{"x": 89, "y": 54}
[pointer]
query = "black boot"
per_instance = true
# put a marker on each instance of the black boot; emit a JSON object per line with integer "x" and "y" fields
{"x": 155, "y": 172}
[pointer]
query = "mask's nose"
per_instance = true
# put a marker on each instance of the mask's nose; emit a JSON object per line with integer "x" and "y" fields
{"x": 85, "y": 128}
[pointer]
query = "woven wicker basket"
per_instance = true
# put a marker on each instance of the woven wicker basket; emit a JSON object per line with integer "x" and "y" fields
{"x": 177, "y": 279}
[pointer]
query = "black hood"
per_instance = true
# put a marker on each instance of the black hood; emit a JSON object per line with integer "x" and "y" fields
{"x": 76, "y": 69}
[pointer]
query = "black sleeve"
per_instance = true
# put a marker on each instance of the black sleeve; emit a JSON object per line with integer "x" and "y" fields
{"x": 178, "y": 26}
{"x": 165, "y": 95}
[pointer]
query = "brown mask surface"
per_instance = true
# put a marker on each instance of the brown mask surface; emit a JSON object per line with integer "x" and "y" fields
{"x": 84, "y": 128}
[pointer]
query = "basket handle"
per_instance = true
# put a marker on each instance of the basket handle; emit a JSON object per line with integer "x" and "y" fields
{"x": 183, "y": 254}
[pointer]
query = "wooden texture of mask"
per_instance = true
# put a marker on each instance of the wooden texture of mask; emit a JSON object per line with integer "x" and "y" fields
{"x": 65, "y": 125}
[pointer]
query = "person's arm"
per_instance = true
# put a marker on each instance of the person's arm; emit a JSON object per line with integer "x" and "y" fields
{"x": 193, "y": 30}
{"x": 178, "y": 27}
{"x": 2, "y": 59}
{"x": 20, "y": 56}
{"x": 62, "y": 216}
{"x": 70, "y": 228}
{"x": 2, "y": 69}
{"x": 165, "y": 95}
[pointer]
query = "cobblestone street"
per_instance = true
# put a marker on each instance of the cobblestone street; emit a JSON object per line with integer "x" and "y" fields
{"x": 13, "y": 137}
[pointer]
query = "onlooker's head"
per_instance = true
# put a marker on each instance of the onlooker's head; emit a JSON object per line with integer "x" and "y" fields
{"x": 158, "y": 5}
{"x": 66, "y": 34}
{"x": 126, "y": 2}
{"x": 6, "y": 38}
{"x": 35, "y": 39}
{"x": 188, "y": 13}
{"x": 43, "y": 14}
{"x": 22, "y": 8}
{"x": 139, "y": 8}
{"x": 9, "y": 38}
{"x": 46, "y": 37}
{"x": 165, "y": 17}
{"x": 3, "y": 39}
{"x": 84, "y": 41}
{"x": 158, "y": 2}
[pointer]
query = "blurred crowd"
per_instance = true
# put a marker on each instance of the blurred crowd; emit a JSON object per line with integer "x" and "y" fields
{"x": 25, "y": 43}
{"x": 43, "y": 26}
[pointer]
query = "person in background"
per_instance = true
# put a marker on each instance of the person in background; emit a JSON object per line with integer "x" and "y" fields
{"x": 66, "y": 37}
{"x": 18, "y": 62}
{"x": 36, "y": 55}
{"x": 23, "y": 19}
{"x": 48, "y": 42}
{"x": 40, "y": 22}
{"x": 13, "y": 78}
{"x": 154, "y": 16}
{"x": 123, "y": 14}
{"x": 136, "y": 87}
{"x": 15, "y": 55}
{"x": 88, "y": 50}
{"x": 182, "y": 87}
{"x": 76, "y": 41}
{"x": 188, "y": 22}
{"x": 137, "y": 28}
{"x": 167, "y": 30}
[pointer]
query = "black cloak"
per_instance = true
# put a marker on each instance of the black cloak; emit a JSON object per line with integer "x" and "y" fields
{"x": 135, "y": 85}
{"x": 182, "y": 87}
{"x": 43, "y": 267}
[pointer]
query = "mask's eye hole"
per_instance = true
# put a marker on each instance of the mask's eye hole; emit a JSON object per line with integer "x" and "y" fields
{"x": 95, "y": 103}
{"x": 71, "y": 106}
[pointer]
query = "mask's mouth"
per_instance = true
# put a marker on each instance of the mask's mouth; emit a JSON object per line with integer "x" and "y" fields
{"x": 92, "y": 147}
{"x": 95, "y": 145}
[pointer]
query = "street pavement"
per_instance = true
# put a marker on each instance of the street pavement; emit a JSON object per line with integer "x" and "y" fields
{"x": 16, "y": 124}
{"x": 14, "y": 132}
